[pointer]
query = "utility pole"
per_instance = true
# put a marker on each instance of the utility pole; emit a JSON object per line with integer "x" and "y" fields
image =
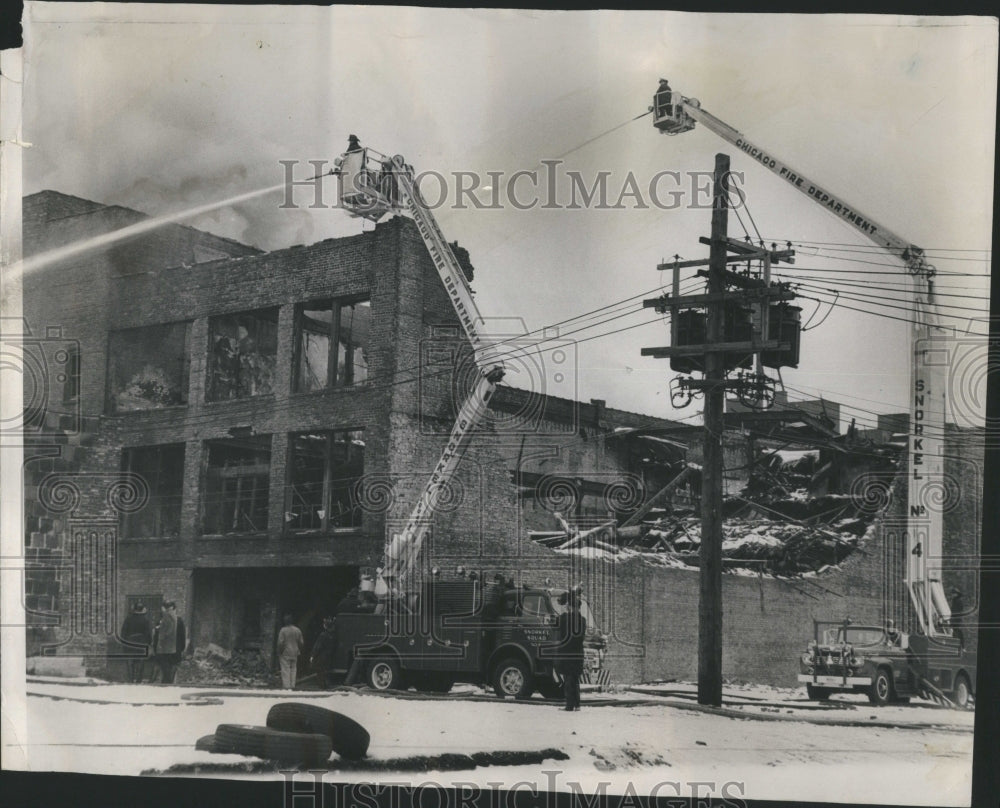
{"x": 710, "y": 585}
{"x": 715, "y": 343}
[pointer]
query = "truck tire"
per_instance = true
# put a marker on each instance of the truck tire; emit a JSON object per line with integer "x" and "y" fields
{"x": 962, "y": 692}
{"x": 817, "y": 693}
{"x": 512, "y": 678}
{"x": 349, "y": 739}
{"x": 383, "y": 673}
{"x": 272, "y": 744}
{"x": 881, "y": 691}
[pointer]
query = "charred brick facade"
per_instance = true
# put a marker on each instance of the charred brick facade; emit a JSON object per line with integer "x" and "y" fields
{"x": 219, "y": 479}
{"x": 197, "y": 495}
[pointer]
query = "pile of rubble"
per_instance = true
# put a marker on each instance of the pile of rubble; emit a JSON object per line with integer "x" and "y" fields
{"x": 776, "y": 526}
{"x": 216, "y": 666}
{"x": 797, "y": 514}
{"x": 778, "y": 547}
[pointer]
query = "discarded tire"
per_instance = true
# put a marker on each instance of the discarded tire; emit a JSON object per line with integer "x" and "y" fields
{"x": 209, "y": 743}
{"x": 349, "y": 739}
{"x": 274, "y": 744}
{"x": 206, "y": 743}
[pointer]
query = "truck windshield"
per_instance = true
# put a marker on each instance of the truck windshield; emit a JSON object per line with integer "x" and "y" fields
{"x": 535, "y": 605}
{"x": 855, "y": 635}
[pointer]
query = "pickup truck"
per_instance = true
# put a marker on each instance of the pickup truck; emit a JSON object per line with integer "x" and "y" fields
{"x": 886, "y": 665}
{"x": 445, "y": 632}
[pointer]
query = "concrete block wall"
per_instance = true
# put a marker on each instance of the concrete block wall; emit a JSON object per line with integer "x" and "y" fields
{"x": 651, "y": 612}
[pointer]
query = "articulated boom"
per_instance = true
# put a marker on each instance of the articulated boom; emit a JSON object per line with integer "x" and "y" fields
{"x": 371, "y": 186}
{"x": 675, "y": 114}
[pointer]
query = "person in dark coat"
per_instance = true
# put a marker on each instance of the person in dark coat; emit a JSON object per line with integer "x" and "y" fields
{"x": 169, "y": 642}
{"x": 957, "y": 613}
{"x": 571, "y": 628}
{"x": 321, "y": 659}
{"x": 137, "y": 630}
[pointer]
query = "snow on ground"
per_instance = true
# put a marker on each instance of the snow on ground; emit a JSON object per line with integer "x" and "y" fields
{"x": 770, "y": 743}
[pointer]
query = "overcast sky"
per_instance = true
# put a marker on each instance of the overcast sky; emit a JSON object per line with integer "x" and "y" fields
{"x": 177, "y": 106}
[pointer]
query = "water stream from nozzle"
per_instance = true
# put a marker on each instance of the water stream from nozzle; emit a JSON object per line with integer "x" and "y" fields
{"x": 44, "y": 259}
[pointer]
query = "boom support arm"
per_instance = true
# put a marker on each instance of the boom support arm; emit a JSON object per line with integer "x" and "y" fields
{"x": 370, "y": 187}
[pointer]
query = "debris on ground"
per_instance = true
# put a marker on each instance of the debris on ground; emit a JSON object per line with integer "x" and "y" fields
{"x": 215, "y": 666}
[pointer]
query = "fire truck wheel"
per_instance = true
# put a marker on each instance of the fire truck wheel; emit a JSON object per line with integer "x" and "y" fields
{"x": 384, "y": 674}
{"x": 350, "y": 740}
{"x": 512, "y": 678}
{"x": 817, "y": 693}
{"x": 962, "y": 691}
{"x": 881, "y": 691}
{"x": 272, "y": 744}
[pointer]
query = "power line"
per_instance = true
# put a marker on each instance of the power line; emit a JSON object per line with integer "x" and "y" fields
{"x": 885, "y": 286}
{"x": 874, "y": 300}
{"x": 890, "y": 316}
{"x": 905, "y": 271}
{"x": 876, "y": 249}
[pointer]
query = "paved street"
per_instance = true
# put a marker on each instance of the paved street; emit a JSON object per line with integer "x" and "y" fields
{"x": 765, "y": 743}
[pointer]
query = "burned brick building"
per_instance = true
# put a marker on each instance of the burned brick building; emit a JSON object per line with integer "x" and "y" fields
{"x": 240, "y": 431}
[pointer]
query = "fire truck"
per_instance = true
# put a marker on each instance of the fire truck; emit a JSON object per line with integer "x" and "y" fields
{"x": 431, "y": 633}
{"x": 932, "y": 660}
{"x": 442, "y": 632}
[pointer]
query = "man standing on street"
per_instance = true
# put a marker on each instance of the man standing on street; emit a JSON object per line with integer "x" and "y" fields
{"x": 323, "y": 651}
{"x": 290, "y": 642}
{"x": 137, "y": 630}
{"x": 169, "y": 642}
{"x": 571, "y": 628}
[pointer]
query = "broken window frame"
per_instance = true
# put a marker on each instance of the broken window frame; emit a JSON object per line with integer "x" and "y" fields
{"x": 176, "y": 379}
{"x": 303, "y": 514}
{"x": 233, "y": 371}
{"x": 233, "y": 494}
{"x": 162, "y": 508}
{"x": 342, "y": 368}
